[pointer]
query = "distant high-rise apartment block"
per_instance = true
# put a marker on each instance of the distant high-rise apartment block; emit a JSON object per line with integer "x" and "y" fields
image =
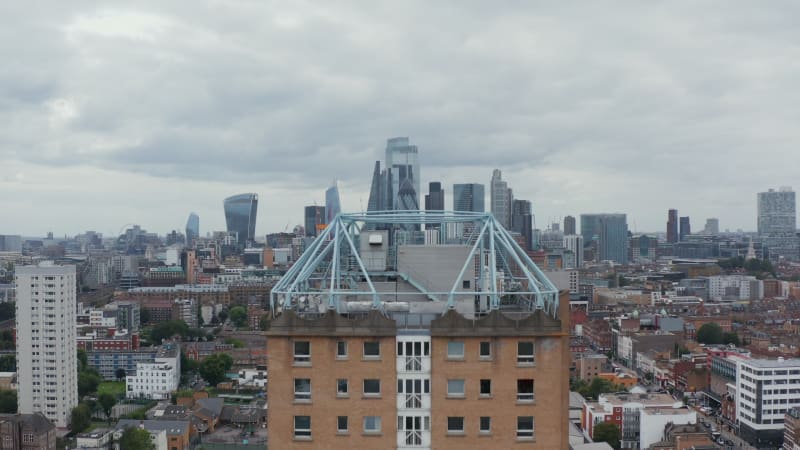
{"x": 314, "y": 216}
{"x": 610, "y": 233}
{"x": 434, "y": 199}
{"x": 574, "y": 243}
{"x": 777, "y": 211}
{"x": 240, "y": 216}
{"x": 685, "y": 228}
{"x": 468, "y": 197}
{"x": 569, "y": 226}
{"x": 192, "y": 228}
{"x": 501, "y": 198}
{"x": 777, "y": 224}
{"x": 712, "y": 226}
{"x": 672, "y": 226}
{"x": 333, "y": 205}
{"x": 47, "y": 361}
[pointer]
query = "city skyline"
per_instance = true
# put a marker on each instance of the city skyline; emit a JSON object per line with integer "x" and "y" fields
{"x": 579, "y": 115}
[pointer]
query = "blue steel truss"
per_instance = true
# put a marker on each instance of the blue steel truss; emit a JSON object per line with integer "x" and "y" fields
{"x": 331, "y": 269}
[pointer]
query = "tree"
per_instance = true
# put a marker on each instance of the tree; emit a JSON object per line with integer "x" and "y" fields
{"x": 7, "y": 311}
{"x": 8, "y": 402}
{"x": 238, "y": 316}
{"x": 107, "y": 402}
{"x": 88, "y": 380}
{"x": 83, "y": 361}
{"x": 80, "y": 418}
{"x": 144, "y": 316}
{"x": 120, "y": 374}
{"x": 237, "y": 343}
{"x": 223, "y": 316}
{"x": 8, "y": 363}
{"x": 214, "y": 368}
{"x": 594, "y": 388}
{"x": 710, "y": 333}
{"x": 730, "y": 338}
{"x": 607, "y": 432}
{"x": 135, "y": 439}
{"x": 166, "y": 330}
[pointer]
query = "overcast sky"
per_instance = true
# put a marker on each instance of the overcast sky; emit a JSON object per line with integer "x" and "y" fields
{"x": 143, "y": 112}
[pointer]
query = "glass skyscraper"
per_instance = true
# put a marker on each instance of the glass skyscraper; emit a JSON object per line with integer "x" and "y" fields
{"x": 468, "y": 197}
{"x": 610, "y": 231}
{"x": 402, "y": 166}
{"x": 240, "y": 216}
{"x": 314, "y": 215}
{"x": 501, "y": 199}
{"x": 192, "y": 229}
{"x": 332, "y": 204}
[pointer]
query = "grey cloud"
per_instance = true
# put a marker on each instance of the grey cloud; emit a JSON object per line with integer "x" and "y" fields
{"x": 294, "y": 94}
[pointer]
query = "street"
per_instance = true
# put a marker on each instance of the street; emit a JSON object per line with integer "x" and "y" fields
{"x": 738, "y": 444}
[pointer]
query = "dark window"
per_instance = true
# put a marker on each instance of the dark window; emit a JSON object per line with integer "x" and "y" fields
{"x": 486, "y": 387}
{"x": 372, "y": 349}
{"x": 485, "y": 349}
{"x": 455, "y": 424}
{"x": 372, "y": 387}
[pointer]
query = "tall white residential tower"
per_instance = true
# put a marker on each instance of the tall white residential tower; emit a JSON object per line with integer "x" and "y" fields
{"x": 47, "y": 362}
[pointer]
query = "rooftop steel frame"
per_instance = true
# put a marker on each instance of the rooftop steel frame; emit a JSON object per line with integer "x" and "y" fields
{"x": 331, "y": 268}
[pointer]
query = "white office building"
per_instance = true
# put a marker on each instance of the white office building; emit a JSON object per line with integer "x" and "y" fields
{"x": 765, "y": 390}
{"x": 735, "y": 287}
{"x": 159, "y": 378}
{"x": 47, "y": 361}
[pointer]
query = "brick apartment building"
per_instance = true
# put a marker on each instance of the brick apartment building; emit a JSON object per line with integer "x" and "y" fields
{"x": 457, "y": 383}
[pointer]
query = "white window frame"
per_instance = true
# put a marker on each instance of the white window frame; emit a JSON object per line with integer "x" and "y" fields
{"x": 480, "y": 387}
{"x": 454, "y": 393}
{"x": 371, "y": 394}
{"x": 455, "y": 430}
{"x": 340, "y": 355}
{"x": 339, "y": 428}
{"x": 300, "y": 358}
{"x": 480, "y": 424}
{"x": 526, "y": 396}
{"x": 453, "y": 350}
{"x": 364, "y": 350}
{"x": 302, "y": 396}
{"x": 525, "y": 433}
{"x": 302, "y": 433}
{"x": 376, "y": 424}
{"x": 526, "y": 359}
{"x": 480, "y": 354}
{"x": 339, "y": 392}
